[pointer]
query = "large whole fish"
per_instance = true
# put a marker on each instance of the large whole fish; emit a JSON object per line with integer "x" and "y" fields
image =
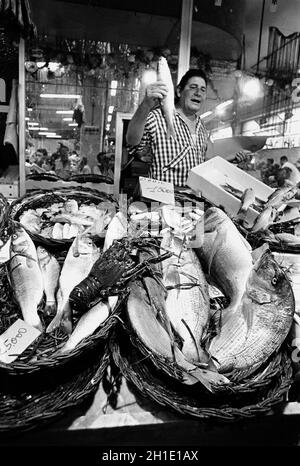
{"x": 81, "y": 256}
{"x": 187, "y": 301}
{"x": 247, "y": 199}
{"x": 50, "y": 269}
{"x": 226, "y": 256}
{"x": 264, "y": 219}
{"x": 149, "y": 320}
{"x": 167, "y": 103}
{"x": 281, "y": 195}
{"x": 25, "y": 276}
{"x": 270, "y": 301}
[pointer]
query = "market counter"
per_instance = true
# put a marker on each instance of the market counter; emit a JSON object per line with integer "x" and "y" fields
{"x": 139, "y": 421}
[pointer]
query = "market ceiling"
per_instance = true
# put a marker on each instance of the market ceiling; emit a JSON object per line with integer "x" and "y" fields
{"x": 151, "y": 24}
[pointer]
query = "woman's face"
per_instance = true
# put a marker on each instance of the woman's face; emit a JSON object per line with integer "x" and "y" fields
{"x": 192, "y": 96}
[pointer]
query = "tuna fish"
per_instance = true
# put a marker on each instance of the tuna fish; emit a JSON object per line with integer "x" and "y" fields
{"x": 187, "y": 301}
{"x": 167, "y": 103}
{"x": 25, "y": 276}
{"x": 80, "y": 258}
{"x": 270, "y": 301}
{"x": 50, "y": 269}
{"x": 226, "y": 257}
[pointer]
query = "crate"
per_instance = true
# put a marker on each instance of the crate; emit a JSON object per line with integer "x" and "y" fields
{"x": 207, "y": 180}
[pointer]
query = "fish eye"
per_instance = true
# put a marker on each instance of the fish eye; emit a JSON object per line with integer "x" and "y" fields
{"x": 274, "y": 281}
{"x": 15, "y": 236}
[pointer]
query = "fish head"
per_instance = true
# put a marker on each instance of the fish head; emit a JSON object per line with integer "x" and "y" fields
{"x": 83, "y": 244}
{"x": 19, "y": 239}
{"x": 269, "y": 279}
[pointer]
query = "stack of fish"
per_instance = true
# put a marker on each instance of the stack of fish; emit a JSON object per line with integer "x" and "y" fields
{"x": 65, "y": 220}
{"x": 171, "y": 316}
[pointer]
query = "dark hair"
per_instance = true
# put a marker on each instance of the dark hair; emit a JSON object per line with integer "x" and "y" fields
{"x": 270, "y": 160}
{"x": 283, "y": 158}
{"x": 188, "y": 75}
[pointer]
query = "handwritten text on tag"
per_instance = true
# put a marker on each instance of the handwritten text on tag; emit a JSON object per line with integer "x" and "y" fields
{"x": 16, "y": 339}
{"x": 160, "y": 191}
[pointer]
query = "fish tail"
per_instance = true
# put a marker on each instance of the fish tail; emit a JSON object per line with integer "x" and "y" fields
{"x": 50, "y": 308}
{"x": 55, "y": 322}
{"x": 208, "y": 379}
{"x": 171, "y": 131}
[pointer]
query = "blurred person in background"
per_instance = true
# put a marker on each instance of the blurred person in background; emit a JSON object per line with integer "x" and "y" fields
{"x": 83, "y": 167}
{"x": 290, "y": 171}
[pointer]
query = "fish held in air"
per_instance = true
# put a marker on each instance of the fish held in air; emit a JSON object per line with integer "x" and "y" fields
{"x": 25, "y": 276}
{"x": 81, "y": 256}
{"x": 167, "y": 103}
{"x": 226, "y": 257}
{"x": 270, "y": 300}
{"x": 187, "y": 301}
{"x": 50, "y": 269}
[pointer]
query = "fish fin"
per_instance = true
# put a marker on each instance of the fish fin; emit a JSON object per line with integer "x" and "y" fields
{"x": 258, "y": 252}
{"x": 50, "y": 308}
{"x": 66, "y": 324}
{"x": 55, "y": 322}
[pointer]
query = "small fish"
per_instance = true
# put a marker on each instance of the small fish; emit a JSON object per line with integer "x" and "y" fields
{"x": 80, "y": 258}
{"x": 167, "y": 103}
{"x": 239, "y": 193}
{"x": 50, "y": 269}
{"x": 89, "y": 322}
{"x": 264, "y": 219}
{"x": 281, "y": 195}
{"x": 25, "y": 276}
{"x": 287, "y": 238}
{"x": 247, "y": 199}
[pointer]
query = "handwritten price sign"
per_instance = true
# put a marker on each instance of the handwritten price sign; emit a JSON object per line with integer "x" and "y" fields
{"x": 15, "y": 340}
{"x": 157, "y": 190}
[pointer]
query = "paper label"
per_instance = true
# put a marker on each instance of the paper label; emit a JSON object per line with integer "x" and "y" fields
{"x": 16, "y": 339}
{"x": 160, "y": 191}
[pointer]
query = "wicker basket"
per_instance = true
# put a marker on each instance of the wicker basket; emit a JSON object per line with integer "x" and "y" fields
{"x": 91, "y": 178}
{"x": 25, "y": 408}
{"x": 42, "y": 355}
{"x": 189, "y": 400}
{"x": 42, "y": 198}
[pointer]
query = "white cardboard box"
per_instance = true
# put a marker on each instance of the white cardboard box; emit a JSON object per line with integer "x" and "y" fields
{"x": 207, "y": 180}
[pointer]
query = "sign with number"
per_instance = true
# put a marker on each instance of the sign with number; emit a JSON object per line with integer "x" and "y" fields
{"x": 16, "y": 339}
{"x": 157, "y": 190}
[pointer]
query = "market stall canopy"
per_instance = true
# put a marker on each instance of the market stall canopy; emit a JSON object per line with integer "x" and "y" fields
{"x": 15, "y": 16}
{"x": 227, "y": 146}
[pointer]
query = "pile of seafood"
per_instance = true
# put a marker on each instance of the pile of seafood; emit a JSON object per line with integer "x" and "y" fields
{"x": 195, "y": 298}
{"x": 278, "y": 219}
{"x": 67, "y": 219}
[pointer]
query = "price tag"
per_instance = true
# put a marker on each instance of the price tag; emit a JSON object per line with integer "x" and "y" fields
{"x": 16, "y": 339}
{"x": 160, "y": 191}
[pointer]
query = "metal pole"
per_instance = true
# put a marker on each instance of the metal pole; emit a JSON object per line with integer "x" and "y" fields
{"x": 260, "y": 34}
{"x": 185, "y": 38}
{"x": 21, "y": 117}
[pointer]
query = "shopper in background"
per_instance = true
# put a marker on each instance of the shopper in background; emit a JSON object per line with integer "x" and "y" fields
{"x": 290, "y": 171}
{"x": 83, "y": 167}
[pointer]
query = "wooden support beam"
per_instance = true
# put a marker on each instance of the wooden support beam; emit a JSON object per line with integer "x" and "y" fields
{"x": 185, "y": 38}
{"x": 21, "y": 117}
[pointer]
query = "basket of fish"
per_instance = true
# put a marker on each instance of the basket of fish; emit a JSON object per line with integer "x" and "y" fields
{"x": 32, "y": 405}
{"x": 221, "y": 344}
{"x": 54, "y": 218}
{"x": 67, "y": 302}
{"x": 187, "y": 399}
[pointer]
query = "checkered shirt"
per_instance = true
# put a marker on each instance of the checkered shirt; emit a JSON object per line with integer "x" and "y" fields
{"x": 172, "y": 158}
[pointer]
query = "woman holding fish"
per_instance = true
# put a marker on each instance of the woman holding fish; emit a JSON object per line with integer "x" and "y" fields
{"x": 173, "y": 131}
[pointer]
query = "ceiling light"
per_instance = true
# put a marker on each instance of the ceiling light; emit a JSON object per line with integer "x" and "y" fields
{"x": 107, "y": 127}
{"x": 109, "y": 117}
{"x": 27, "y": 118}
{"x": 65, "y": 112}
{"x": 149, "y": 77}
{"x": 34, "y": 128}
{"x": 56, "y": 136}
{"x": 113, "y": 87}
{"x": 33, "y": 123}
{"x": 73, "y": 124}
{"x": 252, "y": 88}
{"x": 43, "y": 129}
{"x": 46, "y": 133}
{"x": 29, "y": 109}
{"x": 60, "y": 96}
{"x": 110, "y": 109}
{"x": 67, "y": 119}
